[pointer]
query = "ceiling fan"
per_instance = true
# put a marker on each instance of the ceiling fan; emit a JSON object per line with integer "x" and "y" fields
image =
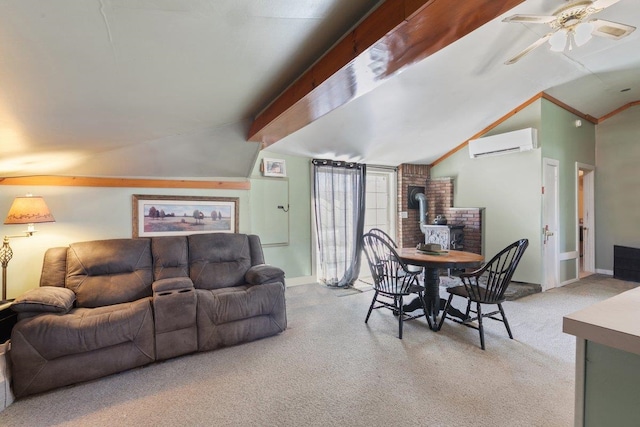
{"x": 571, "y": 26}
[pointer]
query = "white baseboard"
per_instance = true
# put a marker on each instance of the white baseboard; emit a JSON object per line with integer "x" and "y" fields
{"x": 607, "y": 272}
{"x": 566, "y": 282}
{"x": 302, "y": 280}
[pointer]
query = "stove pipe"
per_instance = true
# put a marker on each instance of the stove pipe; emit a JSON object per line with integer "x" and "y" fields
{"x": 422, "y": 202}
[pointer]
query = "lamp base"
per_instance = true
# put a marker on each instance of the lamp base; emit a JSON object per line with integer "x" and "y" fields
{"x": 5, "y": 256}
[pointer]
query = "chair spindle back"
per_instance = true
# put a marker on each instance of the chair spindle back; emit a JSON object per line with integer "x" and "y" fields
{"x": 390, "y": 274}
{"x": 490, "y": 282}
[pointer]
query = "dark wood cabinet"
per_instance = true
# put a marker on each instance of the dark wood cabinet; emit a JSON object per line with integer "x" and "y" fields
{"x": 8, "y": 319}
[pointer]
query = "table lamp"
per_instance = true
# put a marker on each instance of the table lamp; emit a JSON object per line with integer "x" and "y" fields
{"x": 24, "y": 210}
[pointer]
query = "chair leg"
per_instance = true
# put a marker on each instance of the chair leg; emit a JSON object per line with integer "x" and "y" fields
{"x": 373, "y": 301}
{"x": 504, "y": 320}
{"x": 426, "y": 314}
{"x": 480, "y": 328}
{"x": 468, "y": 309}
{"x": 400, "y": 317}
{"x": 444, "y": 312}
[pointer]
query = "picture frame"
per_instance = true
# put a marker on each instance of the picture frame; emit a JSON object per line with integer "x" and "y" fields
{"x": 176, "y": 215}
{"x": 274, "y": 168}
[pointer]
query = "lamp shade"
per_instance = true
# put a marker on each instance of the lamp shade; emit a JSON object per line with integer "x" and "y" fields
{"x": 28, "y": 210}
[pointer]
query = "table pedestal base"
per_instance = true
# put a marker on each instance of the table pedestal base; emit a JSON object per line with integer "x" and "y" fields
{"x": 432, "y": 294}
{"x": 432, "y": 299}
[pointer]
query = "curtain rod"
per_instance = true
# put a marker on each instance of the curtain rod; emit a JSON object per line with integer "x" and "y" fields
{"x": 327, "y": 161}
{"x": 393, "y": 168}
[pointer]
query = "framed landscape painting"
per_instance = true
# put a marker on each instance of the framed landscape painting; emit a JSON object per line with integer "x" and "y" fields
{"x": 183, "y": 215}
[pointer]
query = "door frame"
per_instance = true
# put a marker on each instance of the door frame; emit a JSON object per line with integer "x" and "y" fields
{"x": 392, "y": 210}
{"x": 392, "y": 193}
{"x": 554, "y": 269}
{"x": 588, "y": 203}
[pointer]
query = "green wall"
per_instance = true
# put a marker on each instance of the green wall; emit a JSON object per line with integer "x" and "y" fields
{"x": 296, "y": 256}
{"x": 568, "y": 144}
{"x": 611, "y": 386}
{"x": 508, "y": 187}
{"x": 90, "y": 213}
{"x": 617, "y": 181}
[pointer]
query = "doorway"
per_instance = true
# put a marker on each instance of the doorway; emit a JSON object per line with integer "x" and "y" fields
{"x": 585, "y": 219}
{"x": 550, "y": 224}
{"x": 380, "y": 210}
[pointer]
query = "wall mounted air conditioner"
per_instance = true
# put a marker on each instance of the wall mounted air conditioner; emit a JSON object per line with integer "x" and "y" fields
{"x": 504, "y": 143}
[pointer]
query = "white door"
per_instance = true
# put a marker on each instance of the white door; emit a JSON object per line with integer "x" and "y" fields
{"x": 550, "y": 224}
{"x": 588, "y": 220}
{"x": 380, "y": 207}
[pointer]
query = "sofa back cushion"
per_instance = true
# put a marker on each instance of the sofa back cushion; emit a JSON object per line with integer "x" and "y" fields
{"x": 54, "y": 267}
{"x": 170, "y": 257}
{"x": 106, "y": 272}
{"x": 218, "y": 260}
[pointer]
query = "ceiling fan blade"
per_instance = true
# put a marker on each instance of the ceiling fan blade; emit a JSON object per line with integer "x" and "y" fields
{"x": 603, "y": 4}
{"x": 610, "y": 29}
{"x": 530, "y": 19}
{"x": 534, "y": 45}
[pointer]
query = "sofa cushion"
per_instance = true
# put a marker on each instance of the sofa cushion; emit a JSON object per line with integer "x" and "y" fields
{"x": 54, "y": 267}
{"x": 52, "y": 350}
{"x": 170, "y": 257}
{"x": 218, "y": 260}
{"x": 47, "y": 299}
{"x": 239, "y": 314}
{"x": 84, "y": 330}
{"x": 105, "y": 272}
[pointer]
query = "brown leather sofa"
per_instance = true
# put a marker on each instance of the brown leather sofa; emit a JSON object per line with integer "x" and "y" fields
{"x": 111, "y": 305}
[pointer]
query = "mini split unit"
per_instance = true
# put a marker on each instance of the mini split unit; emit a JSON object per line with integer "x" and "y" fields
{"x": 504, "y": 143}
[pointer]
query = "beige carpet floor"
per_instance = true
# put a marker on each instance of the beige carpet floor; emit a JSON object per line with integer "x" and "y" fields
{"x": 330, "y": 369}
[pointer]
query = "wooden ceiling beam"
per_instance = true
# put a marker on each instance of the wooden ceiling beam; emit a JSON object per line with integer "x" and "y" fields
{"x": 395, "y": 35}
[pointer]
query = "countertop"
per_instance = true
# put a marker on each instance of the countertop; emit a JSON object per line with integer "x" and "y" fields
{"x": 614, "y": 322}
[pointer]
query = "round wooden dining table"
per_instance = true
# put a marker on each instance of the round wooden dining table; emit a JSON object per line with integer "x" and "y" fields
{"x": 432, "y": 264}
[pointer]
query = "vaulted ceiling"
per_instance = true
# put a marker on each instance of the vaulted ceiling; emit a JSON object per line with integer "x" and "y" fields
{"x": 174, "y": 88}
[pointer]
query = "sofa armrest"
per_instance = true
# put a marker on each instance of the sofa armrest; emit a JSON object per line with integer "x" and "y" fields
{"x": 171, "y": 284}
{"x": 46, "y": 299}
{"x": 264, "y": 273}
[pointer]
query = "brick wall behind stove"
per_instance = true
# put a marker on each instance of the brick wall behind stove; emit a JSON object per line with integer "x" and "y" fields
{"x": 409, "y": 234}
{"x": 472, "y": 220}
{"x": 440, "y": 202}
{"x": 439, "y": 195}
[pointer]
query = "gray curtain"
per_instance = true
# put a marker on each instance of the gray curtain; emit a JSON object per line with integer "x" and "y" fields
{"x": 339, "y": 202}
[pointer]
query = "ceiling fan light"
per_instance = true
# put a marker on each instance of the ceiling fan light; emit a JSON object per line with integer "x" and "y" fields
{"x": 558, "y": 40}
{"x": 582, "y": 33}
